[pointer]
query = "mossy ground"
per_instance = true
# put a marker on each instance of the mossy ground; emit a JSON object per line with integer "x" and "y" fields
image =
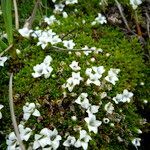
{"x": 56, "y": 111}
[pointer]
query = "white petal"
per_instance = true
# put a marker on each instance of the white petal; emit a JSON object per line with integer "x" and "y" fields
{"x": 36, "y": 113}
{"x": 26, "y": 116}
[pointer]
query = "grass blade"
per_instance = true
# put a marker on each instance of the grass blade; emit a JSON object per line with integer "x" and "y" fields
{"x": 7, "y": 15}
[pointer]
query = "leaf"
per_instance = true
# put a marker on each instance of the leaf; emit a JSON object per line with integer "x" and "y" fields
{"x": 7, "y": 15}
{"x": 3, "y": 46}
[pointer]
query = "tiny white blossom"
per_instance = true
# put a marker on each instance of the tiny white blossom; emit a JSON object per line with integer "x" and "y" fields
{"x": 109, "y": 108}
{"x": 25, "y": 133}
{"x": 1, "y": 106}
{"x": 43, "y": 68}
{"x": 92, "y": 109}
{"x": 83, "y": 101}
{"x": 50, "y": 20}
{"x": 83, "y": 140}
{"x": 69, "y": 44}
{"x": 3, "y": 60}
{"x": 103, "y": 95}
{"x": 30, "y": 109}
{"x": 100, "y": 19}
{"x": 112, "y": 76}
{"x": 74, "y": 66}
{"x": 135, "y": 3}
{"x": 92, "y": 123}
{"x": 25, "y": 32}
{"x": 47, "y": 138}
{"x": 65, "y": 15}
{"x": 71, "y": 2}
{"x": 70, "y": 141}
{"x": 136, "y": 142}
{"x": 59, "y": 7}
{"x": 124, "y": 97}
{"x": 12, "y": 142}
{"x": 74, "y": 118}
{"x": 86, "y": 52}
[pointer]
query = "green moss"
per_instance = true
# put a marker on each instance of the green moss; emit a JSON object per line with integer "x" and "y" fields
{"x": 56, "y": 111}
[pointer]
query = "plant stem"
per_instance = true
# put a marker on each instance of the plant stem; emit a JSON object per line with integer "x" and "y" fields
{"x": 72, "y": 50}
{"x": 8, "y": 48}
{"x": 11, "y": 105}
{"x": 16, "y": 15}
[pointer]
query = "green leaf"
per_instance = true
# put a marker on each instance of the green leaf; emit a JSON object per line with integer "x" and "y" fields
{"x": 7, "y": 15}
{"x": 3, "y": 46}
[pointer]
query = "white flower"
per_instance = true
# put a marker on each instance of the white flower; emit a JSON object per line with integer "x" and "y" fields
{"x": 47, "y": 138}
{"x": 25, "y": 133}
{"x": 1, "y": 106}
{"x": 112, "y": 76}
{"x": 70, "y": 141}
{"x": 74, "y": 66}
{"x": 46, "y": 37}
{"x": 106, "y": 120}
{"x": 103, "y": 95}
{"x": 30, "y": 109}
{"x": 65, "y": 15}
{"x": 36, "y": 33}
{"x": 92, "y": 109}
{"x": 86, "y": 52}
{"x": 25, "y": 32}
{"x": 135, "y": 3}
{"x": 109, "y": 108}
{"x": 100, "y": 19}
{"x": 59, "y": 7}
{"x": 55, "y": 139}
{"x": 83, "y": 101}
{"x": 92, "y": 123}
{"x": 12, "y": 142}
{"x": 83, "y": 140}
{"x": 76, "y": 78}
{"x": 74, "y": 118}
{"x": 2, "y": 61}
{"x": 43, "y": 68}
{"x": 50, "y": 20}
{"x": 42, "y": 139}
{"x": 124, "y": 97}
{"x": 69, "y": 44}
{"x": 94, "y": 73}
{"x": 136, "y": 142}
{"x": 71, "y": 2}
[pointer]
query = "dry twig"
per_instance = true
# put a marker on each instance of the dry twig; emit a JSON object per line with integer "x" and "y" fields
{"x": 16, "y": 15}
{"x": 29, "y": 21}
{"x": 11, "y": 105}
{"x": 123, "y": 17}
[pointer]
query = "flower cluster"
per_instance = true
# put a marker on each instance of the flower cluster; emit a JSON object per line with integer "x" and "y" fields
{"x": 46, "y": 37}
{"x": 47, "y": 139}
{"x": 30, "y": 109}
{"x": 73, "y": 81}
{"x": 44, "y": 68}
{"x": 124, "y": 97}
{"x": 100, "y": 19}
{"x": 112, "y": 76}
{"x": 50, "y": 20}
{"x": 91, "y": 121}
{"x": 12, "y": 141}
{"x": 81, "y": 142}
{"x": 94, "y": 74}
